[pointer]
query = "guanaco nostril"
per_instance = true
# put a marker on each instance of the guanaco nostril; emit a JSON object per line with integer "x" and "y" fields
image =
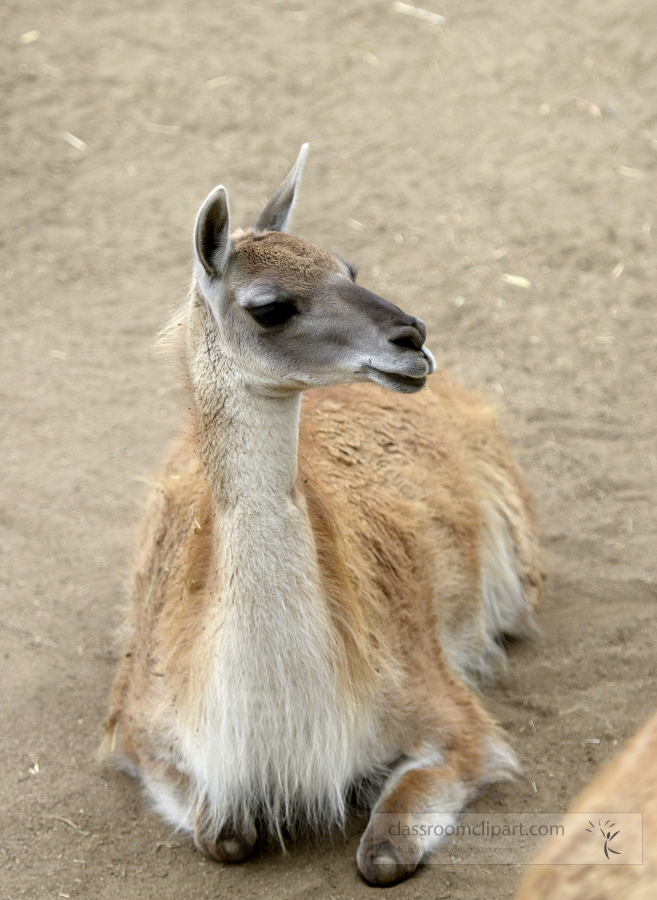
{"x": 411, "y": 338}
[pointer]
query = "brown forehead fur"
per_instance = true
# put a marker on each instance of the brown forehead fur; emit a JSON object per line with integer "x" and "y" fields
{"x": 275, "y": 252}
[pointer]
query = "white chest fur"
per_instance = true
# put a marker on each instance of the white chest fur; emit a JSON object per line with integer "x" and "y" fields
{"x": 277, "y": 736}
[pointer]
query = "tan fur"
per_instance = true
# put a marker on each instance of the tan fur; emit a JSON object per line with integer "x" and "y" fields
{"x": 626, "y": 785}
{"x": 393, "y": 491}
{"x": 311, "y": 588}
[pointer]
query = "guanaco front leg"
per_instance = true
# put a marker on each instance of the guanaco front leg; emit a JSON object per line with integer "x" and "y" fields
{"x": 420, "y": 800}
{"x": 232, "y": 844}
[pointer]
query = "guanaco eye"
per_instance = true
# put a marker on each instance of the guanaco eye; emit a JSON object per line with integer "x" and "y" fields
{"x": 274, "y": 313}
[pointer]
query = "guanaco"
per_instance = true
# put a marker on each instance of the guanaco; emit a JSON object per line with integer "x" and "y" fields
{"x": 319, "y": 573}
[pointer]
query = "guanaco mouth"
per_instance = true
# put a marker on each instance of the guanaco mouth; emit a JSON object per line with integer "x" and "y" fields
{"x": 405, "y": 384}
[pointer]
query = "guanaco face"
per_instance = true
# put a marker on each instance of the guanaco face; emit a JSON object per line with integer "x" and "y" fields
{"x": 290, "y": 315}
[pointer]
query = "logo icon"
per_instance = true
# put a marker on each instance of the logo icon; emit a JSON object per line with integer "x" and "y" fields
{"x": 607, "y": 835}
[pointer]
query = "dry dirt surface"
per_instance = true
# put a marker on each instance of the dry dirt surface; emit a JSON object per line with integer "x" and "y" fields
{"x": 496, "y": 176}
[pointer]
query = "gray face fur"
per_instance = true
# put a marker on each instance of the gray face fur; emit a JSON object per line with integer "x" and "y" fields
{"x": 288, "y": 313}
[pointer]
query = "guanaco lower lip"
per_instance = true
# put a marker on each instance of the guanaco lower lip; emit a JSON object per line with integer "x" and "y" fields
{"x": 404, "y": 384}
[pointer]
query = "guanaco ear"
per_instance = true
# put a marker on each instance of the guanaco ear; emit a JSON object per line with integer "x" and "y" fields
{"x": 276, "y": 215}
{"x": 212, "y": 232}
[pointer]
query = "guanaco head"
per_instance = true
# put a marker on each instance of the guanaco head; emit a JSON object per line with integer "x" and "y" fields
{"x": 289, "y": 314}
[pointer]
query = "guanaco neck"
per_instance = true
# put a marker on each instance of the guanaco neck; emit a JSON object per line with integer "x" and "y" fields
{"x": 248, "y": 443}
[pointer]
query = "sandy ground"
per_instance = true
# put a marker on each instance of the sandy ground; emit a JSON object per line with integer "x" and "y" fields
{"x": 520, "y": 139}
